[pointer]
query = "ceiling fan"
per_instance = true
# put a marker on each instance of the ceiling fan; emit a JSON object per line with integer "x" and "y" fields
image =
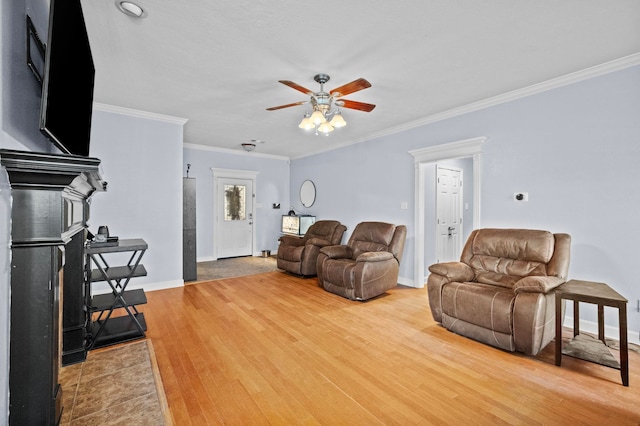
{"x": 326, "y": 115}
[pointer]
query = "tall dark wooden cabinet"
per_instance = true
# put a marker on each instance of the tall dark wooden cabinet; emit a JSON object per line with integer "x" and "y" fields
{"x": 48, "y": 217}
{"x": 189, "y": 262}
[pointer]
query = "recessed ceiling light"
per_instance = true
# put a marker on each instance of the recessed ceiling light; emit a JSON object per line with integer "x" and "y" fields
{"x": 131, "y": 9}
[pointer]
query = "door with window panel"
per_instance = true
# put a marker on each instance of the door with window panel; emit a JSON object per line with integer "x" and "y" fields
{"x": 235, "y": 210}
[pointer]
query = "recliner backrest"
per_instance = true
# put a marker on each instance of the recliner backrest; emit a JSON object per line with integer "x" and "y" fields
{"x": 375, "y": 236}
{"x": 329, "y": 230}
{"x": 503, "y": 256}
{"x": 397, "y": 243}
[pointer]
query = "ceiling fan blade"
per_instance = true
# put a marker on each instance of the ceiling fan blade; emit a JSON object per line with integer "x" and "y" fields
{"x": 296, "y": 86}
{"x": 360, "y": 106}
{"x": 354, "y": 86}
{"x": 286, "y": 106}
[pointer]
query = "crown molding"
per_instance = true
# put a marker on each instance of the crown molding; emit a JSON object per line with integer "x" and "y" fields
{"x": 565, "y": 80}
{"x": 139, "y": 114}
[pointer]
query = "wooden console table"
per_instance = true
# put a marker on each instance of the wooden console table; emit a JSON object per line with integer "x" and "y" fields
{"x": 587, "y": 348}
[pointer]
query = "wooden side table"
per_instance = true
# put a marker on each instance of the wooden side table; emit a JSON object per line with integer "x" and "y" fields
{"x": 584, "y": 347}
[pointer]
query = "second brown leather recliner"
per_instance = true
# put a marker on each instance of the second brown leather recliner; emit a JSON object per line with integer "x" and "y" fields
{"x": 367, "y": 265}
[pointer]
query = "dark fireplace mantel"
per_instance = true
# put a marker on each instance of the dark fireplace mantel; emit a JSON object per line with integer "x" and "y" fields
{"x": 49, "y": 210}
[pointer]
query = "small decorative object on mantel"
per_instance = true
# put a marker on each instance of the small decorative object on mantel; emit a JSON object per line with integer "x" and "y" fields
{"x": 103, "y": 234}
{"x": 102, "y": 238}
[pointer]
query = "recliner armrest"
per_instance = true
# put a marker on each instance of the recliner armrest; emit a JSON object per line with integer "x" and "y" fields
{"x": 536, "y": 284}
{"x": 453, "y": 271}
{"x": 334, "y": 252}
{"x": 374, "y": 256}
{"x": 291, "y": 241}
{"x": 320, "y": 242}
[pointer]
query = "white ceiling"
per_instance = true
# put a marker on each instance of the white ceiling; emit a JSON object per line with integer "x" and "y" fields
{"x": 218, "y": 63}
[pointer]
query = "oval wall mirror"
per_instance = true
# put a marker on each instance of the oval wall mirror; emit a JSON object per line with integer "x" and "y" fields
{"x": 307, "y": 193}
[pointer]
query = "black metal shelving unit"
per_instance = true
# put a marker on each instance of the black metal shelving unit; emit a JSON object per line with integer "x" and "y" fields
{"x": 106, "y": 329}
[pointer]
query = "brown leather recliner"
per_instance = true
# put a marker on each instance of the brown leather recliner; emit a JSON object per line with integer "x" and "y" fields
{"x": 367, "y": 265}
{"x": 501, "y": 292}
{"x": 299, "y": 255}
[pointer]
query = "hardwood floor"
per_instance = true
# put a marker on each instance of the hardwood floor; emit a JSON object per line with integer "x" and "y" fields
{"x": 277, "y": 349}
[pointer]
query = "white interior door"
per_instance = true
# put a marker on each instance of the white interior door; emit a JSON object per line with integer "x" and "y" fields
{"x": 234, "y": 213}
{"x": 448, "y": 213}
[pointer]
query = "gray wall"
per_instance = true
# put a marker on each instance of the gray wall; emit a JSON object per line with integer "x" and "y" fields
{"x": 272, "y": 186}
{"x": 141, "y": 158}
{"x": 20, "y": 89}
{"x": 362, "y": 182}
{"x": 574, "y": 149}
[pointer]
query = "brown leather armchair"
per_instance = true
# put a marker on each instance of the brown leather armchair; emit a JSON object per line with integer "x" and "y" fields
{"x": 299, "y": 255}
{"x": 367, "y": 265}
{"x": 501, "y": 292}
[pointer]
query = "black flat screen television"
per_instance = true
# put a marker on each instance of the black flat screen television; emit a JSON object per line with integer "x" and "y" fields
{"x": 69, "y": 73}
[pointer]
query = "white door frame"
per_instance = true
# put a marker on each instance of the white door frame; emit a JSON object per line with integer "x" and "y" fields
{"x": 464, "y": 148}
{"x": 232, "y": 174}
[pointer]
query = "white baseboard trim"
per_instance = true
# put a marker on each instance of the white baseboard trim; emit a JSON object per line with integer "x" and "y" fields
{"x": 162, "y": 285}
{"x": 407, "y": 282}
{"x": 206, "y": 259}
{"x": 609, "y": 332}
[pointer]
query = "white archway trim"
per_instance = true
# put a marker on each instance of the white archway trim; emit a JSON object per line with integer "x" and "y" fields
{"x": 423, "y": 156}
{"x": 232, "y": 174}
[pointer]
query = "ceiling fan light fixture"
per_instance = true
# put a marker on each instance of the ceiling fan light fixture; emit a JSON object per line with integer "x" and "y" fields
{"x": 248, "y": 146}
{"x": 337, "y": 120}
{"x": 317, "y": 117}
{"x": 325, "y": 128}
{"x": 326, "y": 116}
{"x": 306, "y": 123}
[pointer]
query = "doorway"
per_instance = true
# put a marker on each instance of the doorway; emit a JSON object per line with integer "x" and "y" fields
{"x": 234, "y": 213}
{"x": 449, "y": 199}
{"x": 424, "y": 159}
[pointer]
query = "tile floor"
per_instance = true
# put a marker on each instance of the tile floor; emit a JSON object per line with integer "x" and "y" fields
{"x": 114, "y": 386}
